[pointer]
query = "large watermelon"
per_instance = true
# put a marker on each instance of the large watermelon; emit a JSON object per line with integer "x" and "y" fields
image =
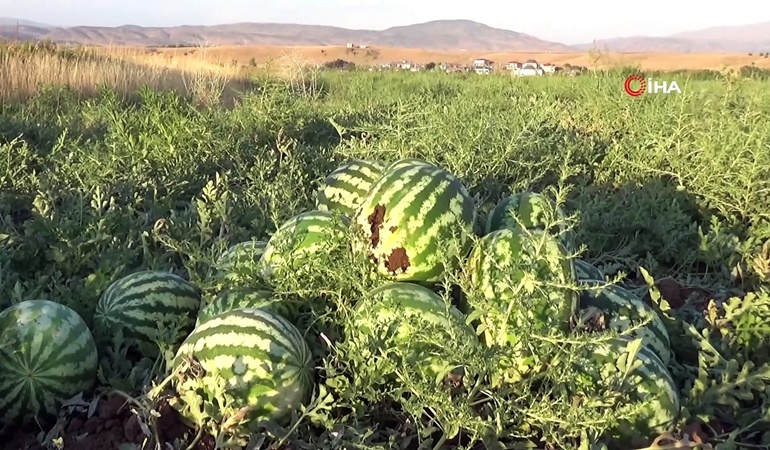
{"x": 409, "y": 308}
{"x": 650, "y": 385}
{"x": 412, "y": 217}
{"x": 301, "y": 240}
{"x": 47, "y": 355}
{"x": 344, "y": 188}
{"x": 530, "y": 210}
{"x": 229, "y": 299}
{"x": 263, "y": 360}
{"x": 142, "y": 304}
{"x": 520, "y": 279}
{"x": 624, "y": 310}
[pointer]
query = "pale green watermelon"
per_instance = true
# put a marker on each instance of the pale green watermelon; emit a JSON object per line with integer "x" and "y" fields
{"x": 650, "y": 385}
{"x": 229, "y": 299}
{"x": 520, "y": 279}
{"x": 409, "y": 308}
{"x": 530, "y": 210}
{"x": 302, "y": 240}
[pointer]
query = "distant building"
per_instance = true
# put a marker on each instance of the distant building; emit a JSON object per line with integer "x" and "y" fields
{"x": 350, "y": 45}
{"x": 513, "y": 65}
{"x": 483, "y": 63}
{"x": 529, "y": 68}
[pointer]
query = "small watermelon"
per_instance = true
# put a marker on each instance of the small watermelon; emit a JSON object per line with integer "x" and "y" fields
{"x": 530, "y": 210}
{"x": 624, "y": 310}
{"x": 47, "y": 355}
{"x": 144, "y": 303}
{"x": 410, "y": 307}
{"x": 302, "y": 240}
{"x": 521, "y": 279}
{"x": 240, "y": 264}
{"x": 587, "y": 271}
{"x": 650, "y": 385}
{"x": 229, "y": 299}
{"x": 344, "y": 188}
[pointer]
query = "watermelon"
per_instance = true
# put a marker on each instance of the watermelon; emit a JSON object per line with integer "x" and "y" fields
{"x": 530, "y": 210}
{"x": 301, "y": 240}
{"x": 412, "y": 217}
{"x": 262, "y": 359}
{"x": 229, "y": 299}
{"x": 142, "y": 304}
{"x": 650, "y": 384}
{"x": 240, "y": 263}
{"x": 587, "y": 271}
{"x": 521, "y": 278}
{"x": 47, "y": 355}
{"x": 624, "y": 310}
{"x": 344, "y": 188}
{"x": 408, "y": 308}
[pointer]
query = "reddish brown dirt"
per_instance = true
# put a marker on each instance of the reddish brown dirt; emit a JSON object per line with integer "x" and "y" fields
{"x": 113, "y": 424}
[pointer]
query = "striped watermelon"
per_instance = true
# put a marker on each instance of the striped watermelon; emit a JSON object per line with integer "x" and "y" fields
{"x": 263, "y": 360}
{"x": 650, "y": 385}
{"x": 344, "y": 188}
{"x": 230, "y": 299}
{"x": 47, "y": 355}
{"x": 240, "y": 263}
{"x": 408, "y": 307}
{"x": 587, "y": 271}
{"x": 302, "y": 239}
{"x": 413, "y": 217}
{"x": 520, "y": 277}
{"x": 623, "y": 310}
{"x": 532, "y": 211}
{"x": 142, "y": 303}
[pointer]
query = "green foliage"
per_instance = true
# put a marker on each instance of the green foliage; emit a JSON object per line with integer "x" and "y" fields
{"x": 91, "y": 190}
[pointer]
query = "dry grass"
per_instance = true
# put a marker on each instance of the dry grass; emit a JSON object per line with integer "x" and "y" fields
{"x": 25, "y": 69}
{"x": 320, "y": 54}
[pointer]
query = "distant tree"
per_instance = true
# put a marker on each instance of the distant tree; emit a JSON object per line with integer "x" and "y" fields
{"x": 253, "y": 62}
{"x": 430, "y": 66}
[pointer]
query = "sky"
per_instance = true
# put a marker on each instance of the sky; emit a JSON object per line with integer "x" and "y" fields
{"x": 566, "y": 21}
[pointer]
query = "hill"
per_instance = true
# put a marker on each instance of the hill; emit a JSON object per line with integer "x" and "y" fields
{"x": 733, "y": 39}
{"x": 439, "y": 35}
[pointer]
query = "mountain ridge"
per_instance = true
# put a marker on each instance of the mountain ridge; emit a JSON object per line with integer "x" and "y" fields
{"x": 457, "y": 34}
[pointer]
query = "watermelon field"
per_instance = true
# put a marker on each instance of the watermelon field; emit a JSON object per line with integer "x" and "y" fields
{"x": 387, "y": 261}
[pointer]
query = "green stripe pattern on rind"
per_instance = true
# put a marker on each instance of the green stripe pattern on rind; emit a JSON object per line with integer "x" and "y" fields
{"x": 399, "y": 300}
{"x": 263, "y": 359}
{"x": 344, "y": 188}
{"x": 587, "y": 271}
{"x": 651, "y": 384}
{"x": 47, "y": 355}
{"x": 532, "y": 211}
{"x": 528, "y": 273}
{"x": 143, "y": 302}
{"x": 412, "y": 217}
{"x": 229, "y": 299}
{"x": 303, "y": 238}
{"x": 624, "y": 311}
{"x": 409, "y": 308}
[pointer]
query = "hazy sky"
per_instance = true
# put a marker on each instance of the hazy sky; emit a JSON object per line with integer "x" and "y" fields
{"x": 567, "y": 21}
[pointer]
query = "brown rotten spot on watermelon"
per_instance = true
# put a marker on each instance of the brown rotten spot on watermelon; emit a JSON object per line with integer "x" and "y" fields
{"x": 398, "y": 259}
{"x": 376, "y": 219}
